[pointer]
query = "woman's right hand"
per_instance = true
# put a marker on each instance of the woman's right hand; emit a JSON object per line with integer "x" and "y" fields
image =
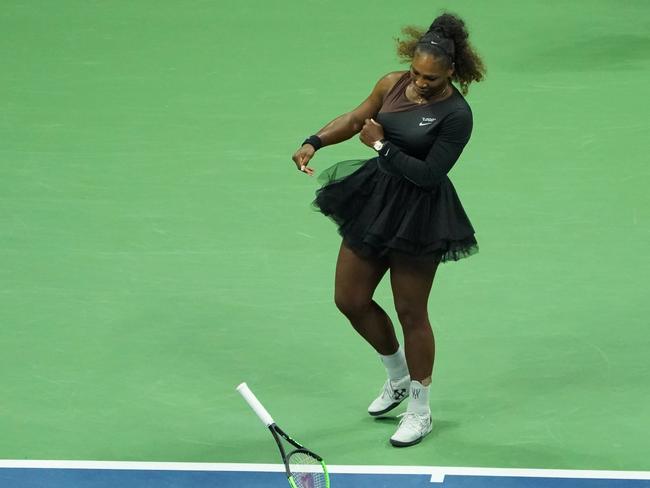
{"x": 302, "y": 156}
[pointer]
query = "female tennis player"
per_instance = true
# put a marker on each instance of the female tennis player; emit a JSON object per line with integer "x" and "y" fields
{"x": 399, "y": 211}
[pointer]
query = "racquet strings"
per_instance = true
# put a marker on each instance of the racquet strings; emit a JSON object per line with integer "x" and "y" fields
{"x": 307, "y": 471}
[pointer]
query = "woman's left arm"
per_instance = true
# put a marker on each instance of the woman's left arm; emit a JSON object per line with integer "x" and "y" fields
{"x": 454, "y": 134}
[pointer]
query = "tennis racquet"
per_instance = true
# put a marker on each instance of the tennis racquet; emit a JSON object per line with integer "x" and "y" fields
{"x": 305, "y": 469}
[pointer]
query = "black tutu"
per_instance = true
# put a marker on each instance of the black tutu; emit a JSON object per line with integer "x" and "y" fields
{"x": 378, "y": 212}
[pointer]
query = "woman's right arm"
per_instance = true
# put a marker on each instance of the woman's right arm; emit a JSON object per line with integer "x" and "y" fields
{"x": 347, "y": 125}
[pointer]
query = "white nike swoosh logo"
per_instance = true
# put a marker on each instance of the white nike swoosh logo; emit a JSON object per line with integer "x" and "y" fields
{"x": 428, "y": 123}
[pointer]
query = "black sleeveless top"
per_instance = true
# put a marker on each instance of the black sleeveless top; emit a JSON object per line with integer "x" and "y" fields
{"x": 424, "y": 140}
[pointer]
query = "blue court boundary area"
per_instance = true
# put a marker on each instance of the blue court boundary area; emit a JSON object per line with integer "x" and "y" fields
{"x": 109, "y": 478}
{"x": 212, "y": 477}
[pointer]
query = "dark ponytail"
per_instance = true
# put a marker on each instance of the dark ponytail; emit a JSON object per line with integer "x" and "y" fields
{"x": 468, "y": 66}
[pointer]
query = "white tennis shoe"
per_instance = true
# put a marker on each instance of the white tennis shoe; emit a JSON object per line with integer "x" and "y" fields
{"x": 392, "y": 394}
{"x": 412, "y": 429}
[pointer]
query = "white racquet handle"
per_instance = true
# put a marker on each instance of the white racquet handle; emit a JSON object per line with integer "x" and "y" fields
{"x": 255, "y": 404}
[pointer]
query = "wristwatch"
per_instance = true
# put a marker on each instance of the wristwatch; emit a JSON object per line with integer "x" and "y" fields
{"x": 379, "y": 145}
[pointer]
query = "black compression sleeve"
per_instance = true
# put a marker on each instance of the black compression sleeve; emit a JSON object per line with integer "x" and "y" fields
{"x": 454, "y": 134}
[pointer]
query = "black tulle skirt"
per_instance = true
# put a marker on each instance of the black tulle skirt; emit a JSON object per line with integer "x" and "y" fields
{"x": 378, "y": 212}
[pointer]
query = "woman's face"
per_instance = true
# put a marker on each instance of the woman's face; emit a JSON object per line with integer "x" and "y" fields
{"x": 428, "y": 74}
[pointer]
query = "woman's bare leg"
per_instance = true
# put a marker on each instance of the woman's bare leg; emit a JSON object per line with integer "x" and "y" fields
{"x": 355, "y": 283}
{"x": 411, "y": 281}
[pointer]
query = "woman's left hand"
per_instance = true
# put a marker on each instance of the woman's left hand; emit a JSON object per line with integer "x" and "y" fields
{"x": 371, "y": 132}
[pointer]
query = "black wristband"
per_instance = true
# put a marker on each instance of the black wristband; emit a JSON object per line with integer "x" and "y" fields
{"x": 314, "y": 141}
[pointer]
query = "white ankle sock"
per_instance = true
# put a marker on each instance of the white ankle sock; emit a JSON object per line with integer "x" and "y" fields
{"x": 395, "y": 364}
{"x": 419, "y": 399}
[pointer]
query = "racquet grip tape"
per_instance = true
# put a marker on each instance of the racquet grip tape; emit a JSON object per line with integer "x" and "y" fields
{"x": 255, "y": 404}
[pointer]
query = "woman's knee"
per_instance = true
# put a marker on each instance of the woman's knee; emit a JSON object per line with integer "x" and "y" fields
{"x": 412, "y": 316}
{"x": 350, "y": 304}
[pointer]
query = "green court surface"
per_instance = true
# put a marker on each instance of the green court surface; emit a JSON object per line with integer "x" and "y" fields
{"x": 157, "y": 245}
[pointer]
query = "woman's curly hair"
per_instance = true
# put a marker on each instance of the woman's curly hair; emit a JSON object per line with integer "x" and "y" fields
{"x": 468, "y": 66}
